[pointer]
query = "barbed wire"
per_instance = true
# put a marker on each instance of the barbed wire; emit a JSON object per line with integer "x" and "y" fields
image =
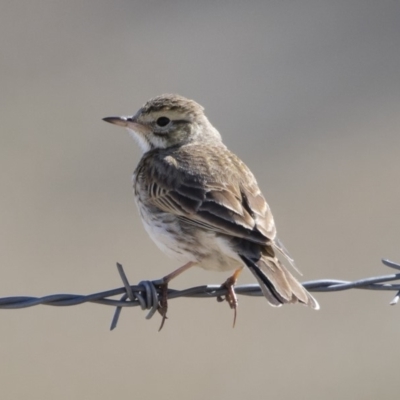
{"x": 146, "y": 294}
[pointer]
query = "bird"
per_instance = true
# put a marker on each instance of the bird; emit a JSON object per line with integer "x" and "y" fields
{"x": 201, "y": 204}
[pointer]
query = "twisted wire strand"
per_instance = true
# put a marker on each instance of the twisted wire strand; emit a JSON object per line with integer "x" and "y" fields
{"x": 146, "y": 293}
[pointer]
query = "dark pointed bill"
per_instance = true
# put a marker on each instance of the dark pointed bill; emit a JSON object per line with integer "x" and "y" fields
{"x": 121, "y": 121}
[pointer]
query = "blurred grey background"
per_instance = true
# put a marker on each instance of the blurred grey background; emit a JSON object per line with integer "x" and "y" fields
{"x": 306, "y": 92}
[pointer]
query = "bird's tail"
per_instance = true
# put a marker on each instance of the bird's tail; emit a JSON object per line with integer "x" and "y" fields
{"x": 277, "y": 283}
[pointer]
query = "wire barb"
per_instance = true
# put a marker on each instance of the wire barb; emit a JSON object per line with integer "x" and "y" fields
{"x": 146, "y": 294}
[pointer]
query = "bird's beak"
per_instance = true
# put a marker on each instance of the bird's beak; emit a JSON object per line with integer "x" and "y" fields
{"x": 121, "y": 121}
{"x": 129, "y": 123}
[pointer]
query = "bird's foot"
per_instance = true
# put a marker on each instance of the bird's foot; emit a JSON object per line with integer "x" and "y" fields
{"x": 163, "y": 285}
{"x": 230, "y": 297}
{"x": 163, "y": 303}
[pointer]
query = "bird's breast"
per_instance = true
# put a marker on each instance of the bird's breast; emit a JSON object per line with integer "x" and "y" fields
{"x": 184, "y": 242}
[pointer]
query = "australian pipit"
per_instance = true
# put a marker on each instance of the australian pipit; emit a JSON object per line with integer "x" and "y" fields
{"x": 201, "y": 204}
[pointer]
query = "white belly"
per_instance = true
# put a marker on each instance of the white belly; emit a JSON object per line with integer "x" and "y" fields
{"x": 208, "y": 250}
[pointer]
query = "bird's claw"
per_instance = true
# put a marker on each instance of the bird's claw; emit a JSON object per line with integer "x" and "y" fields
{"x": 230, "y": 297}
{"x": 163, "y": 303}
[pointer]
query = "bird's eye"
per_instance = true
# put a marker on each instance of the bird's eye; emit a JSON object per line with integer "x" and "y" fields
{"x": 163, "y": 121}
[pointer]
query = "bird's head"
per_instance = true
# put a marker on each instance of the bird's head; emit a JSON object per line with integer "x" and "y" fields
{"x": 167, "y": 120}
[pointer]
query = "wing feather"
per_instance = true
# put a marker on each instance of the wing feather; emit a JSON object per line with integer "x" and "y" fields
{"x": 220, "y": 194}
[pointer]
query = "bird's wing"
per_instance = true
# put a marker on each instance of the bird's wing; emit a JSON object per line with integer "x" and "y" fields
{"x": 214, "y": 191}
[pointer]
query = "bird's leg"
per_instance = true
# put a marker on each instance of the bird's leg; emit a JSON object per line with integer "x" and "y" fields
{"x": 163, "y": 284}
{"x": 231, "y": 297}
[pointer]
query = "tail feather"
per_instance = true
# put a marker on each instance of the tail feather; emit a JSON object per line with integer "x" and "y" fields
{"x": 278, "y": 245}
{"x": 277, "y": 283}
{"x": 274, "y": 299}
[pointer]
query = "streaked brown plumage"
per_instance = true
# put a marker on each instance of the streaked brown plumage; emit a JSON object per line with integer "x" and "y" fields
{"x": 200, "y": 203}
